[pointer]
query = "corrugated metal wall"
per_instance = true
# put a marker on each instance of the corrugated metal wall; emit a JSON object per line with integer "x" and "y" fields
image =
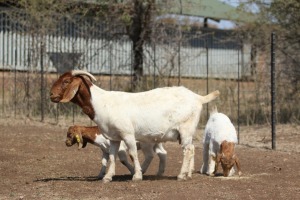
{"x": 70, "y": 47}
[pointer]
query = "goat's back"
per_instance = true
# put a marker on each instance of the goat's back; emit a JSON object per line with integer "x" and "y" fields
{"x": 219, "y": 128}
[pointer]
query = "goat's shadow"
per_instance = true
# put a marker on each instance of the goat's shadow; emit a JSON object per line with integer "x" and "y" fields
{"x": 116, "y": 178}
{"x": 68, "y": 178}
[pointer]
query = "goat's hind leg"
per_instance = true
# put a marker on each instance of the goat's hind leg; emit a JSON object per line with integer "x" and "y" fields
{"x": 188, "y": 162}
{"x": 162, "y": 154}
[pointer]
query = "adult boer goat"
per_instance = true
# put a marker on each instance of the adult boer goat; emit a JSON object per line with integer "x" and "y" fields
{"x": 82, "y": 135}
{"x": 158, "y": 115}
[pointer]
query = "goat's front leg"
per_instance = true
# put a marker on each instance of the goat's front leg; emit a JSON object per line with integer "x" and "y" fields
{"x": 187, "y": 164}
{"x": 132, "y": 150}
{"x": 113, "y": 150}
{"x": 211, "y": 165}
{"x": 105, "y": 158}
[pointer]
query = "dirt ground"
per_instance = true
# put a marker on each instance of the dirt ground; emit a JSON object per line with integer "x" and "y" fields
{"x": 36, "y": 164}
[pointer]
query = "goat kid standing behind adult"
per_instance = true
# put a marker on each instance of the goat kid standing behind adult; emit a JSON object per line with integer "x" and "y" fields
{"x": 158, "y": 115}
{"x": 83, "y": 135}
{"x": 218, "y": 145}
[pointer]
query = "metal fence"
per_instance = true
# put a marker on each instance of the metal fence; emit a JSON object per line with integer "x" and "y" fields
{"x": 31, "y": 58}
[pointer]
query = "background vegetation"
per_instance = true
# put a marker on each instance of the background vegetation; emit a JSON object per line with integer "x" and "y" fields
{"x": 245, "y": 101}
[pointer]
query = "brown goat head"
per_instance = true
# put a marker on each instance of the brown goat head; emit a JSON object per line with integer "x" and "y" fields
{"x": 227, "y": 157}
{"x": 74, "y": 136}
{"x": 65, "y": 88}
{"x": 73, "y": 86}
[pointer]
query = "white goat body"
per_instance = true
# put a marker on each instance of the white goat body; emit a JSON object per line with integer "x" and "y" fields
{"x": 158, "y": 115}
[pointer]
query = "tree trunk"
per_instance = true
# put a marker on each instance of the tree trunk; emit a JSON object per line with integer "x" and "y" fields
{"x": 138, "y": 41}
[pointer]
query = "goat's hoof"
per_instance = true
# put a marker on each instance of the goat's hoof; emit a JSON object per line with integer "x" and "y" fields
{"x": 137, "y": 179}
{"x": 137, "y": 176}
{"x": 106, "y": 180}
{"x": 181, "y": 178}
{"x": 159, "y": 174}
{"x": 240, "y": 173}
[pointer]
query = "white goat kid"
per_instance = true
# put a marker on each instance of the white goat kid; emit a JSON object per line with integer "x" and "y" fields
{"x": 158, "y": 115}
{"x": 82, "y": 135}
{"x": 218, "y": 145}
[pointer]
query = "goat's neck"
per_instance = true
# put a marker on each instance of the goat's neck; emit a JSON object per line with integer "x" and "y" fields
{"x": 90, "y": 133}
{"x": 83, "y": 99}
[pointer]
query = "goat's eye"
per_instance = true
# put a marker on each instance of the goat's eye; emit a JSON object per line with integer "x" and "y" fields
{"x": 66, "y": 81}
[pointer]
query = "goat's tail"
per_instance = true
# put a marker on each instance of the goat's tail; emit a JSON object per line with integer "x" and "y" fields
{"x": 211, "y": 96}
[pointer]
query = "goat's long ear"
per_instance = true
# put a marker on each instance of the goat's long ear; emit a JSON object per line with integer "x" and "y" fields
{"x": 238, "y": 165}
{"x": 71, "y": 90}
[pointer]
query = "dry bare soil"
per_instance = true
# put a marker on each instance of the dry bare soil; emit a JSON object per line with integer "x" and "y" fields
{"x": 36, "y": 164}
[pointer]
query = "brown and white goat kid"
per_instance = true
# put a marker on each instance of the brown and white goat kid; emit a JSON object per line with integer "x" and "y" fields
{"x": 158, "y": 115}
{"x": 82, "y": 135}
{"x": 218, "y": 145}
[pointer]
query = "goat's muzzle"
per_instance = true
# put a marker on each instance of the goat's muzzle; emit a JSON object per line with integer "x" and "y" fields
{"x": 54, "y": 98}
{"x": 69, "y": 143}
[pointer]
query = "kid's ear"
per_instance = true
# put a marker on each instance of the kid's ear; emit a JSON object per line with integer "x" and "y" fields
{"x": 71, "y": 90}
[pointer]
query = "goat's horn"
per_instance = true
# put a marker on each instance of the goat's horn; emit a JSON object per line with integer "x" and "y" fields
{"x": 81, "y": 72}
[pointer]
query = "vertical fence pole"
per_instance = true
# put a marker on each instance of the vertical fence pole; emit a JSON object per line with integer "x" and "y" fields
{"x": 42, "y": 83}
{"x": 3, "y": 62}
{"x": 154, "y": 65}
{"x": 273, "y": 94}
{"x": 179, "y": 61}
{"x": 110, "y": 65}
{"x": 206, "y": 46}
{"x": 238, "y": 100}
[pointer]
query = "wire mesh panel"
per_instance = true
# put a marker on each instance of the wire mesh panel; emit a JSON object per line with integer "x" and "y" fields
{"x": 201, "y": 59}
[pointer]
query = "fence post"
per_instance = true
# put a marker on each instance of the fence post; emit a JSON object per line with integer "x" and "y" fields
{"x": 42, "y": 83}
{"x": 154, "y": 65}
{"x": 238, "y": 98}
{"x": 273, "y": 94}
